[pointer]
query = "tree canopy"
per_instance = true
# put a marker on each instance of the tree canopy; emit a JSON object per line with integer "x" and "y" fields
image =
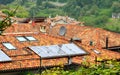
{"x": 96, "y": 13}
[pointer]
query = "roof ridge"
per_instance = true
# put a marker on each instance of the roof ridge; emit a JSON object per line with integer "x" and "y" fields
{"x": 17, "y": 33}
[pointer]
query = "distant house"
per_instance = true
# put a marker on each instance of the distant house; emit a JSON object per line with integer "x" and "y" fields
{"x": 116, "y": 15}
{"x": 62, "y": 20}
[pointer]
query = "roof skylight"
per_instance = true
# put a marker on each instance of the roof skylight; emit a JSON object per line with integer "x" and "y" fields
{"x": 9, "y": 46}
{"x": 21, "y": 38}
{"x": 30, "y": 38}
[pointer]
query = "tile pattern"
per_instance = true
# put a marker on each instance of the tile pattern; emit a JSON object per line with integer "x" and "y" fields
{"x": 23, "y": 57}
{"x": 87, "y": 34}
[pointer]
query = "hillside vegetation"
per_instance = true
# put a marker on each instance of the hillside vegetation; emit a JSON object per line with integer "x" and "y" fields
{"x": 104, "y": 68}
{"x": 97, "y": 13}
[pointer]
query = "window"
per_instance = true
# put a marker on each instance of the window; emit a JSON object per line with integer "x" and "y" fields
{"x": 25, "y": 38}
{"x": 9, "y": 46}
{"x": 30, "y": 38}
{"x": 21, "y": 38}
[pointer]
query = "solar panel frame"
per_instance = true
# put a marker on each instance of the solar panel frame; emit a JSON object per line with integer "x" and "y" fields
{"x": 4, "y": 57}
{"x": 54, "y": 51}
{"x": 67, "y": 50}
{"x": 75, "y": 48}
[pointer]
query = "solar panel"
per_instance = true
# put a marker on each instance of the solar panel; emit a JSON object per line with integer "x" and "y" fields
{"x": 9, "y": 45}
{"x": 75, "y": 48}
{"x": 4, "y": 57}
{"x": 58, "y": 50}
{"x": 21, "y": 38}
{"x": 30, "y": 38}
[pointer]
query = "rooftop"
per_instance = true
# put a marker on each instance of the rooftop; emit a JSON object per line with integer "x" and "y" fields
{"x": 25, "y": 58}
{"x": 87, "y": 34}
{"x": 17, "y": 40}
{"x": 22, "y": 55}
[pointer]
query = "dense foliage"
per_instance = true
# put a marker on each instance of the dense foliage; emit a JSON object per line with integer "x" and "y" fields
{"x": 103, "y": 68}
{"x": 96, "y": 13}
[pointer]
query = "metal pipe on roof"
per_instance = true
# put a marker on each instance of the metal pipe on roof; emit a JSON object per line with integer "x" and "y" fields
{"x": 40, "y": 70}
{"x": 69, "y": 60}
{"x": 106, "y": 42}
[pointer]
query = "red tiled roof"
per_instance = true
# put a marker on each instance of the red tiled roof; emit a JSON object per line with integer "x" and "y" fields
{"x": 26, "y": 27}
{"x": 23, "y": 57}
{"x": 104, "y": 54}
{"x": 97, "y": 35}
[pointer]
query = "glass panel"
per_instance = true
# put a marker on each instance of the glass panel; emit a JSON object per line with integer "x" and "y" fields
{"x": 41, "y": 52}
{"x": 75, "y": 48}
{"x": 4, "y": 57}
{"x": 30, "y": 38}
{"x": 21, "y": 38}
{"x": 9, "y": 46}
{"x": 58, "y": 50}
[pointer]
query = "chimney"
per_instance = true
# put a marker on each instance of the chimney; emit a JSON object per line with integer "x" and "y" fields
{"x": 91, "y": 43}
{"x": 71, "y": 40}
{"x": 106, "y": 42}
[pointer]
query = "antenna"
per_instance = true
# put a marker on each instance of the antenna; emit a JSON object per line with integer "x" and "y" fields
{"x": 62, "y": 31}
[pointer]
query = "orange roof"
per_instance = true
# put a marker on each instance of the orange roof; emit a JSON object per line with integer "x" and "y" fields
{"x": 23, "y": 57}
{"x": 87, "y": 34}
{"x": 25, "y": 27}
{"x": 103, "y": 54}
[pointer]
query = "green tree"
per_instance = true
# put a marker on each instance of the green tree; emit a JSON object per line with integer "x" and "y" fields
{"x": 116, "y": 7}
{"x": 7, "y": 21}
{"x": 39, "y": 2}
{"x": 6, "y": 1}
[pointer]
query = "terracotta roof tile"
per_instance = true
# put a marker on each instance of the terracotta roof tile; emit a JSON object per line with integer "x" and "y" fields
{"x": 86, "y": 33}
{"x": 23, "y": 57}
{"x": 104, "y": 54}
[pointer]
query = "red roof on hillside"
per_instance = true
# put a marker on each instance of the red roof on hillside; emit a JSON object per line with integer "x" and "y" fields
{"x": 87, "y": 34}
{"x": 24, "y": 58}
